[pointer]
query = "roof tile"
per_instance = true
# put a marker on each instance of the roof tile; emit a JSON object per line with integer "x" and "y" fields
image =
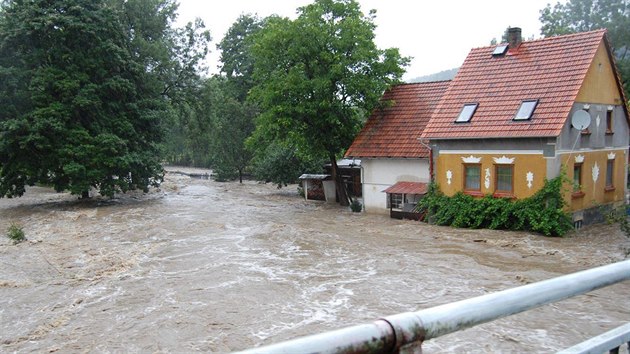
{"x": 551, "y": 70}
{"x": 394, "y": 130}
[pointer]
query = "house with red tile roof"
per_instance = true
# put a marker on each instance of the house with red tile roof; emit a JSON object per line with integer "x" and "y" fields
{"x": 518, "y": 113}
{"x": 394, "y": 162}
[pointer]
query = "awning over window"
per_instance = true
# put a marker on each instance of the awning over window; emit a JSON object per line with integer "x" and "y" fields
{"x": 407, "y": 188}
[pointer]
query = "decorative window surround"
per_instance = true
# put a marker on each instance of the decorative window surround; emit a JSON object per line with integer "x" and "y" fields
{"x": 503, "y": 160}
{"x": 471, "y": 159}
{"x": 579, "y": 159}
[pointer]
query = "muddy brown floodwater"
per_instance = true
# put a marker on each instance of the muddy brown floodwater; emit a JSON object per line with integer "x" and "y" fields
{"x": 204, "y": 266}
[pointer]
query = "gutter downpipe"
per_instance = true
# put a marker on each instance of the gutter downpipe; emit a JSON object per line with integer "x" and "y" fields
{"x": 431, "y": 171}
{"x": 362, "y": 184}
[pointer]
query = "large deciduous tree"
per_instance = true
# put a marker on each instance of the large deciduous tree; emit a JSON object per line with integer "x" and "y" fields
{"x": 234, "y": 115}
{"x": 317, "y": 76}
{"x": 84, "y": 88}
{"x": 585, "y": 15}
{"x": 236, "y": 55}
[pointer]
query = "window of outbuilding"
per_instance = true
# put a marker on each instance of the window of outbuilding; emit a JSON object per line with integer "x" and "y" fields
{"x": 467, "y": 112}
{"x": 395, "y": 201}
{"x": 526, "y": 110}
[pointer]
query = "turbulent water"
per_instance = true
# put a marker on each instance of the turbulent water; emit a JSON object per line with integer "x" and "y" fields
{"x": 199, "y": 265}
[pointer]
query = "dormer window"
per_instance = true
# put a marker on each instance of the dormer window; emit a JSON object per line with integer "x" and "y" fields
{"x": 526, "y": 110}
{"x": 500, "y": 50}
{"x": 467, "y": 112}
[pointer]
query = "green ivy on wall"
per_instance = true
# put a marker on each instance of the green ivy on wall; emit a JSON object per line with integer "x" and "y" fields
{"x": 542, "y": 213}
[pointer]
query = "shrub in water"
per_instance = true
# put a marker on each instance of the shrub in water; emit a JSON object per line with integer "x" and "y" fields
{"x": 16, "y": 234}
{"x": 356, "y": 206}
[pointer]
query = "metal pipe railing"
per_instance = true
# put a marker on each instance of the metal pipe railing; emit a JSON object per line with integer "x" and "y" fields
{"x": 392, "y": 333}
{"x": 608, "y": 341}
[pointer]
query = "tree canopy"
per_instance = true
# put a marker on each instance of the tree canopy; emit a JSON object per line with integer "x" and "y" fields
{"x": 84, "y": 85}
{"x": 236, "y": 55}
{"x": 318, "y": 75}
{"x": 586, "y": 15}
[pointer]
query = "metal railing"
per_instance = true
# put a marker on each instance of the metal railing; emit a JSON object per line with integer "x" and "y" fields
{"x": 609, "y": 341}
{"x": 407, "y": 331}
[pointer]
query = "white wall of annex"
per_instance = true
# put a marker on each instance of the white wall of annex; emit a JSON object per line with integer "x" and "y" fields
{"x": 378, "y": 174}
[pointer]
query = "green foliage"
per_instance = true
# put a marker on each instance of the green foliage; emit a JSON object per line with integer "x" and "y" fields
{"x": 84, "y": 86}
{"x": 316, "y": 76}
{"x": 236, "y": 55}
{"x": 620, "y": 216}
{"x": 542, "y": 213}
{"x": 586, "y": 15}
{"x": 16, "y": 234}
{"x": 234, "y": 124}
{"x": 282, "y": 165}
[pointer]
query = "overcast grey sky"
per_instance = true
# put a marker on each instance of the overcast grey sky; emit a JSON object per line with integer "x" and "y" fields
{"x": 437, "y": 34}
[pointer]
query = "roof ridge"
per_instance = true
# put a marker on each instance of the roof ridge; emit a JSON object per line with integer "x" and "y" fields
{"x": 556, "y": 37}
{"x": 421, "y": 83}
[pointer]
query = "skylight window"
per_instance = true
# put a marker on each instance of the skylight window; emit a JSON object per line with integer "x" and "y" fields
{"x": 500, "y": 50}
{"x": 467, "y": 113}
{"x": 526, "y": 110}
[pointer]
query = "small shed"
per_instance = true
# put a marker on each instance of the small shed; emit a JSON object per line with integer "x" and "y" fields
{"x": 402, "y": 198}
{"x": 318, "y": 187}
{"x": 350, "y": 172}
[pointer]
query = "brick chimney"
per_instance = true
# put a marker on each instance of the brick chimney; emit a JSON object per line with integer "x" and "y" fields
{"x": 514, "y": 37}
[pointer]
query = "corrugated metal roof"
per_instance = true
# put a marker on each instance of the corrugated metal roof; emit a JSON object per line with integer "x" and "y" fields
{"x": 551, "y": 70}
{"x": 407, "y": 188}
{"x": 314, "y": 176}
{"x": 394, "y": 130}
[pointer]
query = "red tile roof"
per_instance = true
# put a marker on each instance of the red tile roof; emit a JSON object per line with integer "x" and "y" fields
{"x": 393, "y": 131}
{"x": 407, "y": 188}
{"x": 551, "y": 70}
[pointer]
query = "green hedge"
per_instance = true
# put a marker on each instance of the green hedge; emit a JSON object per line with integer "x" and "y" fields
{"x": 542, "y": 213}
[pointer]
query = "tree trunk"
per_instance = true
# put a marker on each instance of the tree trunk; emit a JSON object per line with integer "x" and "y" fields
{"x": 342, "y": 193}
{"x": 240, "y": 176}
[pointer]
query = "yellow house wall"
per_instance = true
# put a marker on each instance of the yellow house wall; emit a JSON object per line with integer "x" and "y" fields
{"x": 594, "y": 179}
{"x": 600, "y": 84}
{"x": 523, "y": 164}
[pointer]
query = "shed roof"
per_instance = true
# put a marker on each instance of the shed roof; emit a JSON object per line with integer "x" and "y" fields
{"x": 549, "y": 70}
{"x": 394, "y": 130}
{"x": 314, "y": 176}
{"x": 407, "y": 188}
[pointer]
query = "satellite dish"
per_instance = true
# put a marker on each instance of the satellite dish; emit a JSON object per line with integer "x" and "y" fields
{"x": 580, "y": 119}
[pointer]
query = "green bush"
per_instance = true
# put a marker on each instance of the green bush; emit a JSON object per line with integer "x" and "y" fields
{"x": 618, "y": 215}
{"x": 542, "y": 213}
{"x": 16, "y": 234}
{"x": 356, "y": 206}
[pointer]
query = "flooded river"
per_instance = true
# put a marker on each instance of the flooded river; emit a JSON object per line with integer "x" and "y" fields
{"x": 203, "y": 266}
